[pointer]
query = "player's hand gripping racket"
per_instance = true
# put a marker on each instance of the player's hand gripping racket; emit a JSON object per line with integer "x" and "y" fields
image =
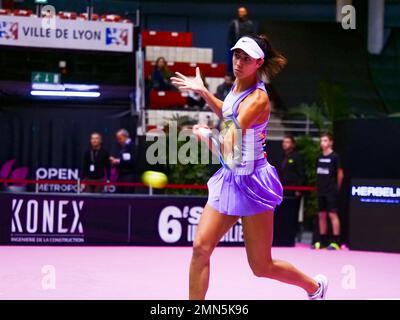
{"x": 229, "y": 160}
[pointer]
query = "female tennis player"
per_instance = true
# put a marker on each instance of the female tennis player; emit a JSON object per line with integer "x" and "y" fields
{"x": 246, "y": 186}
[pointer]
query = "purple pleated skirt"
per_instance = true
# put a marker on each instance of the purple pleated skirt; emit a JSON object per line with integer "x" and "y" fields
{"x": 245, "y": 191}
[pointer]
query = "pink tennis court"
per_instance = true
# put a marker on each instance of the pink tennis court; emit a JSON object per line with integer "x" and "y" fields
{"x": 161, "y": 273}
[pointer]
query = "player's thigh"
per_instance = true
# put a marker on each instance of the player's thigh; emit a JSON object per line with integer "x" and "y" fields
{"x": 212, "y": 227}
{"x": 258, "y": 231}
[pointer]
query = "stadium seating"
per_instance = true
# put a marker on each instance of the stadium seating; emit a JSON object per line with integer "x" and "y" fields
{"x": 85, "y": 16}
{"x": 179, "y": 54}
{"x": 189, "y": 69}
{"x": 67, "y": 15}
{"x": 166, "y": 38}
{"x": 166, "y": 99}
{"x": 22, "y": 12}
{"x": 176, "y": 48}
{"x": 5, "y": 12}
{"x": 111, "y": 18}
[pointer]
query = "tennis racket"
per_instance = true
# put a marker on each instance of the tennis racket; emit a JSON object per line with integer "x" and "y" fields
{"x": 229, "y": 162}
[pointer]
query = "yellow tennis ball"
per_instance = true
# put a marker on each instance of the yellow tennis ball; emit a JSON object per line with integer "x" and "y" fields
{"x": 155, "y": 179}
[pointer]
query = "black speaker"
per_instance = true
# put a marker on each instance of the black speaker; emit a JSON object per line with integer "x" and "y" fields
{"x": 285, "y": 222}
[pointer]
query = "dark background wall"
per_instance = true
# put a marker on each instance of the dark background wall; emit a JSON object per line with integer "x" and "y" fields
{"x": 56, "y": 136}
{"x": 370, "y": 148}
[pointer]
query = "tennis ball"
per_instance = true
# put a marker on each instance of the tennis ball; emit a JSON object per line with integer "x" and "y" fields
{"x": 154, "y": 179}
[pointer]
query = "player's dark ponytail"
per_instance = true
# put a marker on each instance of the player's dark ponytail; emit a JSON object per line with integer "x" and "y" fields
{"x": 274, "y": 62}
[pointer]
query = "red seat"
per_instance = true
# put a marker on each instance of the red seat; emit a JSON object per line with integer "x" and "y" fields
{"x": 111, "y": 18}
{"x": 22, "y": 12}
{"x": 166, "y": 99}
{"x": 67, "y": 15}
{"x": 166, "y": 38}
{"x": 85, "y": 16}
{"x": 5, "y": 12}
{"x": 150, "y": 127}
{"x": 189, "y": 69}
{"x": 211, "y": 69}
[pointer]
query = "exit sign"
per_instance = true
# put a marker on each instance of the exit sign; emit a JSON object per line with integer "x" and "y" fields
{"x": 40, "y": 1}
{"x": 45, "y": 77}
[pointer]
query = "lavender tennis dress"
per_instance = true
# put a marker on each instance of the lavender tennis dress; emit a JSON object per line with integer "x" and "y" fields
{"x": 253, "y": 186}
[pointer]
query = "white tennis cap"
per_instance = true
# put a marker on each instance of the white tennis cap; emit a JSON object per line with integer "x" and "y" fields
{"x": 249, "y": 46}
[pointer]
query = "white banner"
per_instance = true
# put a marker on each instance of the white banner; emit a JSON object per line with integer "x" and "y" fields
{"x": 66, "y": 34}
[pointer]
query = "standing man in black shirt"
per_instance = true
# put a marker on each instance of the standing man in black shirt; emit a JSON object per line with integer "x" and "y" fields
{"x": 291, "y": 170}
{"x": 239, "y": 27}
{"x": 329, "y": 181}
{"x": 96, "y": 164}
{"x": 291, "y": 173}
{"x": 126, "y": 161}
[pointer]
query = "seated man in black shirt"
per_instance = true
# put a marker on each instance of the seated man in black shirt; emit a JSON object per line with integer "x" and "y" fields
{"x": 329, "y": 181}
{"x": 126, "y": 161}
{"x": 224, "y": 88}
{"x": 96, "y": 164}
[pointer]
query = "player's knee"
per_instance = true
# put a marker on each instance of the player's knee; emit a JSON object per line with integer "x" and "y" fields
{"x": 262, "y": 268}
{"x": 202, "y": 249}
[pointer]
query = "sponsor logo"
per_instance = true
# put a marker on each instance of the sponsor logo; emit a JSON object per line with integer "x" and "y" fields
{"x": 325, "y": 160}
{"x": 41, "y": 221}
{"x": 171, "y": 219}
{"x": 376, "y": 194}
{"x": 322, "y": 170}
{"x": 371, "y": 191}
{"x": 57, "y": 174}
{"x": 116, "y": 36}
{"x": 8, "y": 30}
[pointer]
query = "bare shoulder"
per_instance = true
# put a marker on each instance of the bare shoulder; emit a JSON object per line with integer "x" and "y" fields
{"x": 259, "y": 97}
{"x": 257, "y": 102}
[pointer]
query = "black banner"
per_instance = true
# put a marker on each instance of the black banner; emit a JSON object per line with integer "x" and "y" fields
{"x": 174, "y": 221}
{"x": 63, "y": 220}
{"x": 48, "y": 219}
{"x": 374, "y": 215}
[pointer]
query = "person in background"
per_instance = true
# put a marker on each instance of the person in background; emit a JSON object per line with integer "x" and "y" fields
{"x": 329, "y": 181}
{"x": 160, "y": 77}
{"x": 239, "y": 27}
{"x": 291, "y": 171}
{"x": 222, "y": 91}
{"x": 96, "y": 165}
{"x": 126, "y": 161}
{"x": 195, "y": 100}
{"x": 224, "y": 88}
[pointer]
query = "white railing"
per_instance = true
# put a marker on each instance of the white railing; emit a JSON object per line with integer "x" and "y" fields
{"x": 277, "y": 127}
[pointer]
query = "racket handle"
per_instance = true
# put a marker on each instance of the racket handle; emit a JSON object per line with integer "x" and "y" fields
{"x": 205, "y": 132}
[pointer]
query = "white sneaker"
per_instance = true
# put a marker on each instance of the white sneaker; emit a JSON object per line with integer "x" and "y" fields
{"x": 320, "y": 294}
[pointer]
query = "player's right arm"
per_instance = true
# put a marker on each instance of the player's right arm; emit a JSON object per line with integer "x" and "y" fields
{"x": 197, "y": 85}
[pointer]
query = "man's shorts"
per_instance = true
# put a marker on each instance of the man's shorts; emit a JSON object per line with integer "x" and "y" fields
{"x": 327, "y": 203}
